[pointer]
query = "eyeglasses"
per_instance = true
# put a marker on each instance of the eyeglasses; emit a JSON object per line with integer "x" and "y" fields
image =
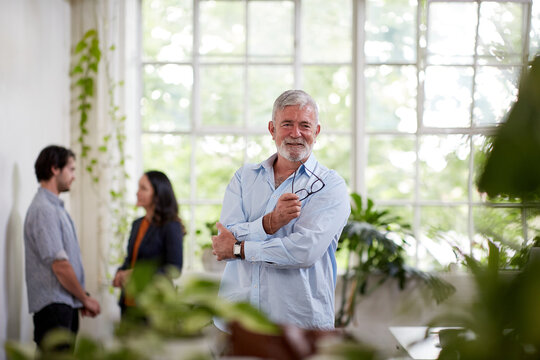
{"x": 316, "y": 186}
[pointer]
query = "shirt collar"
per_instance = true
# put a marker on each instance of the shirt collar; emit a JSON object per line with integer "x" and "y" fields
{"x": 269, "y": 163}
{"x": 51, "y": 196}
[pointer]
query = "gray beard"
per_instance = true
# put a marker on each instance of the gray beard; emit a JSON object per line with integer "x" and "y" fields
{"x": 282, "y": 150}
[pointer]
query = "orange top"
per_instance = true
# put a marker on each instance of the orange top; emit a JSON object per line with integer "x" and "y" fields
{"x": 140, "y": 235}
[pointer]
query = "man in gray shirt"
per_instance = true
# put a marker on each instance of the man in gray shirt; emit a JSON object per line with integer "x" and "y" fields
{"x": 54, "y": 272}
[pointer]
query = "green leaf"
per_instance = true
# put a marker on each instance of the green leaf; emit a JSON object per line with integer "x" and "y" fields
{"x": 93, "y": 66}
{"x": 16, "y": 351}
{"x": 90, "y": 33}
{"x": 81, "y": 45}
{"x": 77, "y": 70}
{"x": 88, "y": 349}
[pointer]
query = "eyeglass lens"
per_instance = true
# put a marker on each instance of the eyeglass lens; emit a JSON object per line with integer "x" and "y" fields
{"x": 316, "y": 186}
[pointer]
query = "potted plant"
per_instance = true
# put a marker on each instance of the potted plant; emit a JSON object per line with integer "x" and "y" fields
{"x": 502, "y": 321}
{"x": 169, "y": 322}
{"x": 374, "y": 257}
{"x": 208, "y": 259}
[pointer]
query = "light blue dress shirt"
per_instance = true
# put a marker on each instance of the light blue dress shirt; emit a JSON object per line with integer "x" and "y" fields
{"x": 290, "y": 275}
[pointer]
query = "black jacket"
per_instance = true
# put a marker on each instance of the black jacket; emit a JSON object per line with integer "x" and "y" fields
{"x": 161, "y": 244}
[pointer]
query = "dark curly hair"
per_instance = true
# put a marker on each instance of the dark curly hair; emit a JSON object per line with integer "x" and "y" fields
{"x": 166, "y": 207}
{"x": 51, "y": 156}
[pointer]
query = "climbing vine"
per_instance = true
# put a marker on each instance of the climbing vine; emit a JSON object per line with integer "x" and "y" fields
{"x": 85, "y": 71}
{"x": 108, "y": 158}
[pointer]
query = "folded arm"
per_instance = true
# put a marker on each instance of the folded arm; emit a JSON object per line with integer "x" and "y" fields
{"x": 319, "y": 223}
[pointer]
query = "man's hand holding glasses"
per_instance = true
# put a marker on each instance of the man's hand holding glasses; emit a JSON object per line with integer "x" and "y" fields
{"x": 289, "y": 204}
{"x": 287, "y": 208}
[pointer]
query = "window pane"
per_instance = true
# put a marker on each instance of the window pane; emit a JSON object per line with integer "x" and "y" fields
{"x": 222, "y": 95}
{"x": 330, "y": 86}
{"x": 495, "y": 92}
{"x": 448, "y": 93}
{"x": 451, "y": 33}
{"x": 166, "y": 101}
{"x": 503, "y": 226}
{"x": 444, "y": 167}
{"x": 406, "y": 215}
{"x": 390, "y": 31}
{"x": 266, "y": 83}
{"x": 205, "y": 215}
{"x": 334, "y": 152}
{"x": 391, "y": 167}
{"x": 217, "y": 158}
{"x": 185, "y": 215}
{"x": 499, "y": 34}
{"x": 222, "y": 30}
{"x": 533, "y": 223}
{"x": 442, "y": 228}
{"x": 167, "y": 30}
{"x": 391, "y": 98}
{"x": 170, "y": 154}
{"x": 259, "y": 148}
{"x": 326, "y": 30}
{"x": 271, "y": 29}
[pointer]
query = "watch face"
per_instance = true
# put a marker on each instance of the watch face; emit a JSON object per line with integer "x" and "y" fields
{"x": 236, "y": 249}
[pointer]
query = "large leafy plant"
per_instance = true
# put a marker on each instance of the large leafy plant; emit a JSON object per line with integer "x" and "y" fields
{"x": 375, "y": 241}
{"x": 511, "y": 169}
{"x": 502, "y": 321}
{"x": 164, "y": 312}
{"x": 183, "y": 310}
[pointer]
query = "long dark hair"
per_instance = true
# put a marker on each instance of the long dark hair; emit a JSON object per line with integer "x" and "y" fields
{"x": 166, "y": 207}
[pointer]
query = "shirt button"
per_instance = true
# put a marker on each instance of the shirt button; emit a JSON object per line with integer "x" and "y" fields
{"x": 253, "y": 258}
{"x": 255, "y": 286}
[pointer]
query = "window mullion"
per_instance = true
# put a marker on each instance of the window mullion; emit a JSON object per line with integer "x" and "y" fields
{"x": 359, "y": 148}
{"x": 297, "y": 44}
{"x": 246, "y": 111}
{"x": 195, "y": 124}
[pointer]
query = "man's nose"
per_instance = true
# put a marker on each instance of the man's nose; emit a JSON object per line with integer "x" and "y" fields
{"x": 296, "y": 131}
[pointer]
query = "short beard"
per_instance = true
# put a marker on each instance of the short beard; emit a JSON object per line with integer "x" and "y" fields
{"x": 282, "y": 150}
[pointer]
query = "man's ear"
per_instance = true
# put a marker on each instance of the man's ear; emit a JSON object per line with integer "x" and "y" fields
{"x": 55, "y": 170}
{"x": 317, "y": 131}
{"x": 272, "y": 129}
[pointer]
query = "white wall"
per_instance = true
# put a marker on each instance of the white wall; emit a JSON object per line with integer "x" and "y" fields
{"x": 34, "y": 112}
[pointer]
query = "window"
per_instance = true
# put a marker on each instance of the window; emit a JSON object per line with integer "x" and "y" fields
{"x": 407, "y": 92}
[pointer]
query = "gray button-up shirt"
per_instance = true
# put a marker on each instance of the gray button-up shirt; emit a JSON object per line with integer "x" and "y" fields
{"x": 49, "y": 235}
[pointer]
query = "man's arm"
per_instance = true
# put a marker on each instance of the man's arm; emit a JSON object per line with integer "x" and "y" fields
{"x": 319, "y": 224}
{"x": 67, "y": 278}
{"x": 287, "y": 208}
{"x": 233, "y": 216}
{"x": 306, "y": 240}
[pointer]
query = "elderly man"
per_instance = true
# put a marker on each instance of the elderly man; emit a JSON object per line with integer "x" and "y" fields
{"x": 282, "y": 219}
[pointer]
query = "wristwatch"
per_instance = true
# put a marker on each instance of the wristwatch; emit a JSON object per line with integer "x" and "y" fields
{"x": 237, "y": 249}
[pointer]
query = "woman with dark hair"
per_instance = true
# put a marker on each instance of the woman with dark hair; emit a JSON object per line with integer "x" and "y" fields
{"x": 158, "y": 235}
